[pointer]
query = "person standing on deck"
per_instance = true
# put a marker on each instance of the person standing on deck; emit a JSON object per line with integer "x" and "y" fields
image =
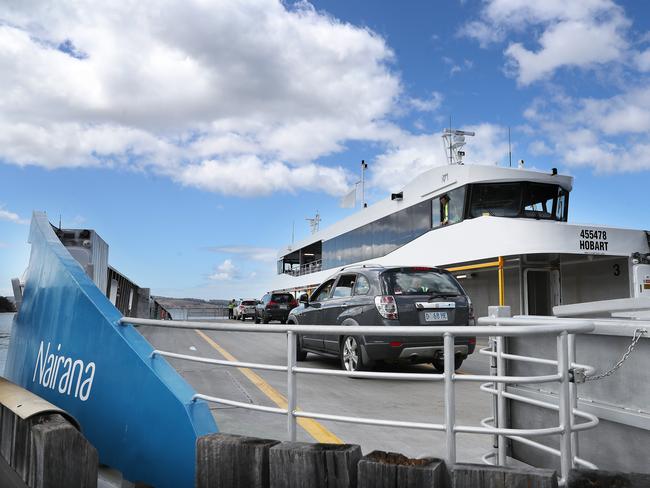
{"x": 444, "y": 210}
{"x": 231, "y": 308}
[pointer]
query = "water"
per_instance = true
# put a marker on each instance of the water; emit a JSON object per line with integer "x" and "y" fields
{"x": 6, "y": 320}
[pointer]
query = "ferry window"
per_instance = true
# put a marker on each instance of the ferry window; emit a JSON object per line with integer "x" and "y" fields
{"x": 497, "y": 199}
{"x": 344, "y": 286}
{"x": 539, "y": 200}
{"x": 363, "y": 286}
{"x": 323, "y": 292}
{"x": 562, "y": 204}
{"x": 378, "y": 238}
{"x": 448, "y": 208}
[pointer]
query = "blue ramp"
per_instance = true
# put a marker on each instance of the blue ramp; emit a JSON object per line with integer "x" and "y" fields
{"x": 67, "y": 347}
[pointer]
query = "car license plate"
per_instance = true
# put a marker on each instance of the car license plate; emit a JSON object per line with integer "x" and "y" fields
{"x": 283, "y": 307}
{"x": 435, "y": 316}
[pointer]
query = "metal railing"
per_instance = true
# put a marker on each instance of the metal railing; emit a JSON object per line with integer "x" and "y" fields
{"x": 568, "y": 396}
{"x": 307, "y": 268}
{"x": 566, "y": 408}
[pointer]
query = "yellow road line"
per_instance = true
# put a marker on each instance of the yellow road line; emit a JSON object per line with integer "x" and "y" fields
{"x": 313, "y": 428}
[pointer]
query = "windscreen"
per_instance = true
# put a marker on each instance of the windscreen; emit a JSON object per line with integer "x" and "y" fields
{"x": 281, "y": 298}
{"x": 248, "y": 302}
{"x": 420, "y": 281}
{"x": 498, "y": 199}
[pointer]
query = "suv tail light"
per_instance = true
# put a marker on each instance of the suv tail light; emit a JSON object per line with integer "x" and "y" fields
{"x": 293, "y": 304}
{"x": 471, "y": 319}
{"x": 386, "y": 306}
{"x": 271, "y": 304}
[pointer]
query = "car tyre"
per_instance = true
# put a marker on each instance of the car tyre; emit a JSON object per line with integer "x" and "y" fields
{"x": 300, "y": 354}
{"x": 283, "y": 322}
{"x": 257, "y": 319}
{"x": 351, "y": 356}
{"x": 439, "y": 363}
{"x": 265, "y": 320}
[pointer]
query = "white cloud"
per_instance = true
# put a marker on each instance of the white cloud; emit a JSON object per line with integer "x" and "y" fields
{"x": 607, "y": 134}
{"x": 410, "y": 155}
{"x": 250, "y": 176}
{"x": 581, "y": 34}
{"x": 570, "y": 43}
{"x": 642, "y": 60}
{"x": 225, "y": 271}
{"x": 539, "y": 148}
{"x": 190, "y": 86}
{"x": 11, "y": 216}
{"x": 264, "y": 254}
{"x": 427, "y": 105}
{"x": 482, "y": 32}
{"x": 457, "y": 67}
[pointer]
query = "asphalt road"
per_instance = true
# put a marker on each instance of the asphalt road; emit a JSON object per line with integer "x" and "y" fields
{"x": 417, "y": 401}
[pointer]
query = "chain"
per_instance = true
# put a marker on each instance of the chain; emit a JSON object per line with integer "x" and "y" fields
{"x": 636, "y": 337}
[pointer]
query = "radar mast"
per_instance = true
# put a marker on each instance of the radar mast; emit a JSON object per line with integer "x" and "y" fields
{"x": 454, "y": 143}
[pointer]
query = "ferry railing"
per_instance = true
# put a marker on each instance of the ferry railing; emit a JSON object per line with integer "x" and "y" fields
{"x": 631, "y": 327}
{"x": 561, "y": 330}
{"x": 568, "y": 396}
{"x": 307, "y": 268}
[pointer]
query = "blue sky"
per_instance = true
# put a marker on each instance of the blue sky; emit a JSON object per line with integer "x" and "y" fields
{"x": 192, "y": 135}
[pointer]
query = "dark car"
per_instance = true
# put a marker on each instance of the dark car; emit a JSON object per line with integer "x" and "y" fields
{"x": 391, "y": 296}
{"x": 274, "y": 306}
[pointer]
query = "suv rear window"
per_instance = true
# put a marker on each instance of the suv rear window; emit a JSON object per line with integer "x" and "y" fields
{"x": 281, "y": 298}
{"x": 248, "y": 302}
{"x": 419, "y": 281}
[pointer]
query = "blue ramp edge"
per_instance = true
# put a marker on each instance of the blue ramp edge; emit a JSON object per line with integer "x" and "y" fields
{"x": 68, "y": 347}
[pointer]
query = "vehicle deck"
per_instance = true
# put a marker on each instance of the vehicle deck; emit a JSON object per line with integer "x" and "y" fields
{"x": 386, "y": 399}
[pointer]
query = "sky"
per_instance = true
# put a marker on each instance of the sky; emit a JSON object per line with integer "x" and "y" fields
{"x": 195, "y": 135}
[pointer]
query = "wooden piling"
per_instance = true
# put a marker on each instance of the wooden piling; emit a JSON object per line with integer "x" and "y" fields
{"x": 381, "y": 469}
{"x": 481, "y": 475}
{"x": 303, "y": 465}
{"x": 587, "y": 478}
{"x": 233, "y": 461}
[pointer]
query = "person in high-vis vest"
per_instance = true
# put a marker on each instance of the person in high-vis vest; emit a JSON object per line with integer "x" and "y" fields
{"x": 231, "y": 308}
{"x": 444, "y": 210}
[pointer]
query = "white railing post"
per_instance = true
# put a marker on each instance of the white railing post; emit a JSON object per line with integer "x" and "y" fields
{"x": 500, "y": 418}
{"x": 450, "y": 397}
{"x": 573, "y": 390}
{"x": 566, "y": 458}
{"x": 291, "y": 384}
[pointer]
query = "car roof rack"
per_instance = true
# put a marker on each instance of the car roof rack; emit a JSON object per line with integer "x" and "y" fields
{"x": 369, "y": 265}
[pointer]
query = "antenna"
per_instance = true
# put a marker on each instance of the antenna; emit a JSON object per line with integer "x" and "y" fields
{"x": 364, "y": 167}
{"x": 451, "y": 159}
{"x": 454, "y": 142}
{"x": 59, "y": 221}
{"x": 509, "y": 148}
{"x": 314, "y": 223}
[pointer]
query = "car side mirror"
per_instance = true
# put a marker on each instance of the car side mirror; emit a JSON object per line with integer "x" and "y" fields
{"x": 304, "y": 298}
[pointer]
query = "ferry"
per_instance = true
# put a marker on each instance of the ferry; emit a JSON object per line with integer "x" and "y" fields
{"x": 504, "y": 232}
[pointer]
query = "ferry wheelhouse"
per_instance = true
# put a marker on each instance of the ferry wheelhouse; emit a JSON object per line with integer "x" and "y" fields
{"x": 503, "y": 232}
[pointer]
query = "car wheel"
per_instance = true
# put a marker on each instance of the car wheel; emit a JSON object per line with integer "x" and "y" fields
{"x": 283, "y": 321}
{"x": 439, "y": 363}
{"x": 265, "y": 320}
{"x": 257, "y": 319}
{"x": 351, "y": 356}
{"x": 300, "y": 354}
